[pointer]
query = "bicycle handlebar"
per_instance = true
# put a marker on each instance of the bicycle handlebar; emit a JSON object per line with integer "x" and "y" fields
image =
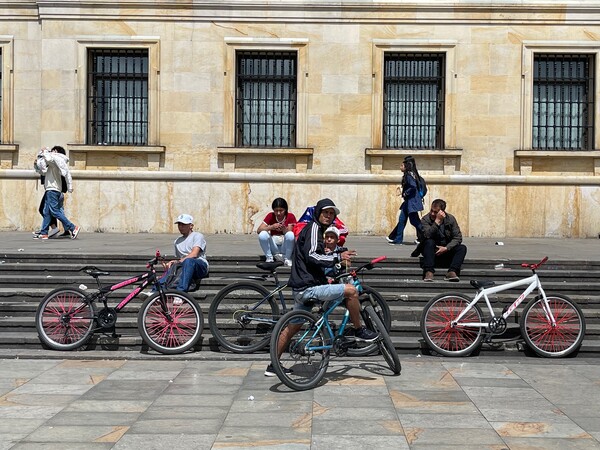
{"x": 535, "y": 266}
{"x": 367, "y": 266}
{"x": 155, "y": 260}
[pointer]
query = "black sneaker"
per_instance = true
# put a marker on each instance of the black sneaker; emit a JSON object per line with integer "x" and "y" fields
{"x": 270, "y": 372}
{"x": 366, "y": 335}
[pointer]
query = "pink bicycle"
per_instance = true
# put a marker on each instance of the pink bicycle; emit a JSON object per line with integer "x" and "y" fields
{"x": 552, "y": 325}
{"x": 169, "y": 321}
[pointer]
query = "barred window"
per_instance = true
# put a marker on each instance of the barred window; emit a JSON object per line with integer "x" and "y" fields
{"x": 117, "y": 97}
{"x": 413, "y": 100}
{"x": 266, "y": 91}
{"x": 563, "y": 102}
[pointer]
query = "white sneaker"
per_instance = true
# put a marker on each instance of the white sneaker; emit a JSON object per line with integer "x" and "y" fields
{"x": 288, "y": 262}
{"x": 53, "y": 232}
{"x": 269, "y": 259}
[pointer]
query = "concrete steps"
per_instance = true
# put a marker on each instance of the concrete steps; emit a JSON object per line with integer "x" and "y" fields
{"x": 26, "y": 279}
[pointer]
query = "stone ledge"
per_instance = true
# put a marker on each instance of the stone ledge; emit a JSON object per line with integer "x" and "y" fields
{"x": 377, "y": 155}
{"x": 81, "y": 151}
{"x": 228, "y": 155}
{"x": 526, "y": 157}
{"x": 7, "y": 152}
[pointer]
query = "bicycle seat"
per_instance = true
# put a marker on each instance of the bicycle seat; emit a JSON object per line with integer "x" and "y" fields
{"x": 94, "y": 272}
{"x": 482, "y": 284}
{"x": 270, "y": 266}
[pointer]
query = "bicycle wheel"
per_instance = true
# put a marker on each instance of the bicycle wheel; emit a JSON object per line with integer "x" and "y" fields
{"x": 437, "y": 329}
{"x": 304, "y": 361}
{"x": 385, "y": 344}
{"x": 65, "y": 319}
{"x": 382, "y": 310}
{"x": 542, "y": 337}
{"x": 171, "y": 335}
{"x": 239, "y": 321}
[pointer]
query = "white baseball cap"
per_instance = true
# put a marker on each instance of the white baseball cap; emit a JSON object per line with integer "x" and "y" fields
{"x": 333, "y": 230}
{"x": 185, "y": 218}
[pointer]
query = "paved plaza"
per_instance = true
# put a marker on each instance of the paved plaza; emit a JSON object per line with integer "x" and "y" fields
{"x": 189, "y": 402}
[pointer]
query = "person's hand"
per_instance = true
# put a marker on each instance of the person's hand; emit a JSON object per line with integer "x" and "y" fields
{"x": 171, "y": 263}
{"x": 440, "y": 216}
{"x": 70, "y": 191}
{"x": 440, "y": 250}
{"x": 347, "y": 255}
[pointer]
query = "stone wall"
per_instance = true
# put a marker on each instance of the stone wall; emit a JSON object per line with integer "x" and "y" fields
{"x": 487, "y": 173}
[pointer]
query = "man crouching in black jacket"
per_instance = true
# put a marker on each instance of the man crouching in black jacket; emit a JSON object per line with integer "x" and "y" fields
{"x": 308, "y": 281}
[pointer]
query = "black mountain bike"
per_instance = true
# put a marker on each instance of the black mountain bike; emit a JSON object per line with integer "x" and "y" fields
{"x": 169, "y": 321}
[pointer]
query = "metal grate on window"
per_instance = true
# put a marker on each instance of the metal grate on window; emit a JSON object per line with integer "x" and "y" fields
{"x": 563, "y": 102}
{"x": 117, "y": 97}
{"x": 266, "y": 99}
{"x": 413, "y": 101}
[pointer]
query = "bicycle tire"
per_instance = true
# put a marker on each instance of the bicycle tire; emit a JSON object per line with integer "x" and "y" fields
{"x": 384, "y": 342}
{"x": 437, "y": 315}
{"x": 170, "y": 337}
{"x": 237, "y": 333}
{"x": 56, "y": 325}
{"x": 544, "y": 339}
{"x": 383, "y": 312}
{"x": 308, "y": 367}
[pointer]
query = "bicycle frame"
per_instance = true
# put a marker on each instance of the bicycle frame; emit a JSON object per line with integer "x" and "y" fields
{"x": 146, "y": 279}
{"x": 534, "y": 283}
{"x": 277, "y": 291}
{"x": 324, "y": 321}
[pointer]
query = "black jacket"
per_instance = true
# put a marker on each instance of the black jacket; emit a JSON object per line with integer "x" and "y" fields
{"x": 309, "y": 258}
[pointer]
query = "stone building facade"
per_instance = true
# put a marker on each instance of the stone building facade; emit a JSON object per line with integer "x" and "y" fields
{"x": 216, "y": 108}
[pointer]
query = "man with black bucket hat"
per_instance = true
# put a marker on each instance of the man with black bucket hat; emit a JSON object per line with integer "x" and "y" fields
{"x": 308, "y": 280}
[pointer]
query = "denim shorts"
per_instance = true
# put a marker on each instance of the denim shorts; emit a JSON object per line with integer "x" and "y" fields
{"x": 322, "y": 293}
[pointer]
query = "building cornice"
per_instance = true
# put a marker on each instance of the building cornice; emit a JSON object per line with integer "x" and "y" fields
{"x": 299, "y": 11}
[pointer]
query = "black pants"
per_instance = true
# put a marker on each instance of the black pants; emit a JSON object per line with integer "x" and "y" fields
{"x": 453, "y": 259}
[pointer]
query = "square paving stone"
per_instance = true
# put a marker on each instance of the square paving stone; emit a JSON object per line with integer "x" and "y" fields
{"x": 263, "y": 437}
{"x": 126, "y": 406}
{"x": 89, "y": 433}
{"x": 326, "y": 442}
{"x": 441, "y": 438}
{"x": 443, "y": 421}
{"x": 192, "y": 412}
{"x": 62, "y": 446}
{"x": 85, "y": 418}
{"x": 52, "y": 389}
{"x": 143, "y": 375}
{"x": 17, "y": 428}
{"x": 177, "y": 426}
{"x": 132, "y": 441}
{"x": 438, "y": 402}
{"x": 551, "y": 444}
{"x": 194, "y": 389}
{"x": 28, "y": 412}
{"x": 568, "y": 430}
{"x": 274, "y": 419}
{"x": 254, "y": 406}
{"x": 25, "y": 368}
{"x": 126, "y": 390}
{"x": 359, "y": 427}
{"x": 194, "y": 400}
{"x": 330, "y": 400}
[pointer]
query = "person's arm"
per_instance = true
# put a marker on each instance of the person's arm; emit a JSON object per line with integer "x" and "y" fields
{"x": 410, "y": 190}
{"x": 455, "y": 231}
{"x": 269, "y": 224}
{"x": 430, "y": 228}
{"x": 291, "y": 221}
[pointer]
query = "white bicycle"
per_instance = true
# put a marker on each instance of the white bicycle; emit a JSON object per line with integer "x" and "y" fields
{"x": 553, "y": 326}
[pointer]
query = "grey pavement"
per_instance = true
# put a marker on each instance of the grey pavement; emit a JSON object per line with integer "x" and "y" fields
{"x": 436, "y": 403}
{"x": 526, "y": 249}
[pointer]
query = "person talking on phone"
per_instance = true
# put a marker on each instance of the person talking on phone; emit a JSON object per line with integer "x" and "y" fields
{"x": 442, "y": 243}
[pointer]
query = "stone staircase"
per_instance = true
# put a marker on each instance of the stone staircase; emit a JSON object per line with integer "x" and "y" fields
{"x": 25, "y": 280}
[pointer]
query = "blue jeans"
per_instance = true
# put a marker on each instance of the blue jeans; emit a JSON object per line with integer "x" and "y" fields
{"x": 192, "y": 269}
{"x": 53, "y": 208}
{"x": 404, "y": 217}
{"x": 270, "y": 247}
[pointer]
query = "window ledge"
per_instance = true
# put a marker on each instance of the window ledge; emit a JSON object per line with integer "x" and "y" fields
{"x": 81, "y": 151}
{"x": 526, "y": 157}
{"x": 7, "y": 152}
{"x": 448, "y": 157}
{"x": 228, "y": 155}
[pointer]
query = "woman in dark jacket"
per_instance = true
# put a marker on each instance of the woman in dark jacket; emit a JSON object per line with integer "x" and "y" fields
{"x": 412, "y": 201}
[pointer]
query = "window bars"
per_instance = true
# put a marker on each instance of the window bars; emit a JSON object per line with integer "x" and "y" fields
{"x": 266, "y": 91}
{"x": 563, "y": 102}
{"x": 413, "y": 100}
{"x": 117, "y": 97}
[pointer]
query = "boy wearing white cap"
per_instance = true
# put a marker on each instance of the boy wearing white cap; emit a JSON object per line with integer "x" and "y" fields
{"x": 190, "y": 249}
